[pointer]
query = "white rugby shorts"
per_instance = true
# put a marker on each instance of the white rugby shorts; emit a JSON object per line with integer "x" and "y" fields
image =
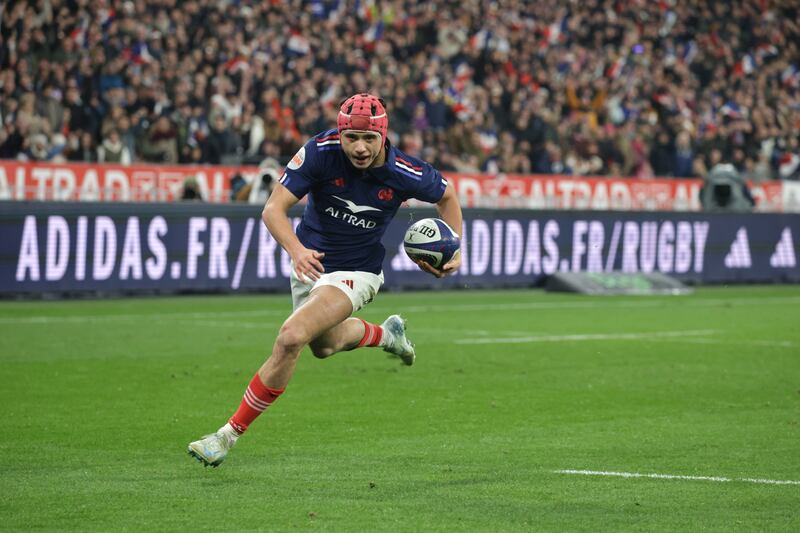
{"x": 360, "y": 287}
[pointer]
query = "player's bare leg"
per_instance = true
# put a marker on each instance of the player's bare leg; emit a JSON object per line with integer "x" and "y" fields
{"x": 326, "y": 307}
{"x": 355, "y": 333}
{"x": 340, "y": 338}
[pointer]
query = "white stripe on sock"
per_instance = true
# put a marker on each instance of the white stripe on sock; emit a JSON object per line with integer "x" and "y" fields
{"x": 253, "y": 400}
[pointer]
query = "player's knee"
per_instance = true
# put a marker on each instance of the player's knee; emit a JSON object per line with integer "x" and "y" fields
{"x": 291, "y": 339}
{"x": 321, "y": 351}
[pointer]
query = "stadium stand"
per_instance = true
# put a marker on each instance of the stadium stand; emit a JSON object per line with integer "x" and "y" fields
{"x": 595, "y": 87}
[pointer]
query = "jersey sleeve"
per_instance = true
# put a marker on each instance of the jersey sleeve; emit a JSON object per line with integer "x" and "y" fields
{"x": 302, "y": 170}
{"x": 431, "y": 186}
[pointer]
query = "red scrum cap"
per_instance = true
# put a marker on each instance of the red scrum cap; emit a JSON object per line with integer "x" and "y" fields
{"x": 363, "y": 112}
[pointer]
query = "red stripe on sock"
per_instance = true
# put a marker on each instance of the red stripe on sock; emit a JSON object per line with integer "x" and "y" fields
{"x": 373, "y": 334}
{"x": 257, "y": 397}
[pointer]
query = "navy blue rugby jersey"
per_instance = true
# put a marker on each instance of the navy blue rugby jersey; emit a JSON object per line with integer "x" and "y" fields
{"x": 348, "y": 209}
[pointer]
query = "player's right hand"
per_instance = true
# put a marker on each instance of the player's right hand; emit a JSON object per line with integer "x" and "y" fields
{"x": 308, "y": 264}
{"x": 448, "y": 269}
{"x": 424, "y": 265}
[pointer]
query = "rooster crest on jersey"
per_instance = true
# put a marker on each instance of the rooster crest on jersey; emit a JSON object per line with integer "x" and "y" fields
{"x": 431, "y": 240}
{"x": 364, "y": 112}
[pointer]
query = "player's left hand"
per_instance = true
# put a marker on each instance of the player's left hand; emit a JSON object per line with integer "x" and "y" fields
{"x": 450, "y": 268}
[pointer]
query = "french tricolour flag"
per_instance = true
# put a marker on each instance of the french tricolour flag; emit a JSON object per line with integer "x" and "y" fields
{"x": 745, "y": 66}
{"x": 298, "y": 43}
{"x": 374, "y": 32}
{"x": 790, "y": 76}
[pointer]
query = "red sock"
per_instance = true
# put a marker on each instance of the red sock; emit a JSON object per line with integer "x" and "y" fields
{"x": 373, "y": 334}
{"x": 257, "y": 397}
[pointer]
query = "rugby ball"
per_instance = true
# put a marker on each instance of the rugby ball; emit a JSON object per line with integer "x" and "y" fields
{"x": 431, "y": 240}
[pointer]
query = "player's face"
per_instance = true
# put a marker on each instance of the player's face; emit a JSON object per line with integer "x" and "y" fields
{"x": 363, "y": 148}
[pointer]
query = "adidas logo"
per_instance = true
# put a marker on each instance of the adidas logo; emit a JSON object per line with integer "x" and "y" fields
{"x": 739, "y": 254}
{"x": 783, "y": 256}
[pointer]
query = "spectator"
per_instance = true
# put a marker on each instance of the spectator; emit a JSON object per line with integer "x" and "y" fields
{"x": 251, "y": 131}
{"x": 621, "y": 76}
{"x": 112, "y": 150}
{"x": 190, "y": 190}
{"x": 38, "y": 148}
{"x": 50, "y": 108}
{"x": 684, "y": 156}
{"x": 12, "y": 139}
{"x": 79, "y": 146}
{"x": 127, "y": 135}
{"x": 221, "y": 143}
{"x": 789, "y": 160}
{"x": 662, "y": 154}
{"x": 756, "y": 170}
{"x": 260, "y": 187}
{"x": 159, "y": 144}
{"x": 237, "y": 183}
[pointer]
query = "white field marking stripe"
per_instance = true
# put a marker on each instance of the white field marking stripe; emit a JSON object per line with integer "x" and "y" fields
{"x": 593, "y": 304}
{"x": 237, "y": 273}
{"x": 671, "y": 476}
{"x": 158, "y": 316}
{"x": 769, "y": 344}
{"x": 584, "y": 337}
{"x": 222, "y": 324}
{"x": 472, "y": 332}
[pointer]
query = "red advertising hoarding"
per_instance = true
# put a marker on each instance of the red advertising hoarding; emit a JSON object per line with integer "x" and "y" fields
{"x": 161, "y": 183}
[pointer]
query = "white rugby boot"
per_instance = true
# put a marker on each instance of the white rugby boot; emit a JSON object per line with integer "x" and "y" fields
{"x": 395, "y": 341}
{"x": 212, "y": 449}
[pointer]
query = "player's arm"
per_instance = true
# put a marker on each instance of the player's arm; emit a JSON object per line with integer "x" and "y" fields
{"x": 449, "y": 210}
{"x": 276, "y": 217}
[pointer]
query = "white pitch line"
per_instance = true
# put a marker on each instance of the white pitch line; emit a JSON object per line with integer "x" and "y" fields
{"x": 474, "y": 332}
{"x": 585, "y": 337}
{"x": 680, "y": 477}
{"x": 146, "y": 317}
{"x": 598, "y": 303}
{"x": 768, "y": 344}
{"x": 244, "y": 325}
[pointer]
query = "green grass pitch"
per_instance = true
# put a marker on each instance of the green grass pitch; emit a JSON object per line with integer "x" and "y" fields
{"x": 100, "y": 398}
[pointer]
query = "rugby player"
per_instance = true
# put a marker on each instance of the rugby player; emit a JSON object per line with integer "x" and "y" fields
{"x": 355, "y": 181}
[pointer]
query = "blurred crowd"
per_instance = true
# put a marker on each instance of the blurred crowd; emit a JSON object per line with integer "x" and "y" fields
{"x": 584, "y": 87}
